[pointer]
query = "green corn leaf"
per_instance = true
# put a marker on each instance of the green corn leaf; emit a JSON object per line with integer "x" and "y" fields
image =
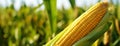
{"x": 50, "y": 6}
{"x": 72, "y": 2}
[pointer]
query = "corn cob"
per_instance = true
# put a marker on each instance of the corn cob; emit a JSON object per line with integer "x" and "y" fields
{"x": 82, "y": 25}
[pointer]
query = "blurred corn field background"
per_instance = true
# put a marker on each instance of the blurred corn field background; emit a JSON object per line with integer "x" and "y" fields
{"x": 32, "y": 26}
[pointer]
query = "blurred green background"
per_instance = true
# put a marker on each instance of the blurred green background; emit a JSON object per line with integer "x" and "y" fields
{"x": 35, "y": 23}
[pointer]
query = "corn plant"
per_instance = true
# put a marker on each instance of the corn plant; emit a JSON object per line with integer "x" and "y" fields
{"x": 94, "y": 25}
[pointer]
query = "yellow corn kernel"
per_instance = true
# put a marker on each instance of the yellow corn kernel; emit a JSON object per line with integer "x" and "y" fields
{"x": 82, "y": 25}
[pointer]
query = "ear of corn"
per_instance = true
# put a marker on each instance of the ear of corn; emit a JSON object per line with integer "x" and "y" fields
{"x": 99, "y": 30}
{"x": 81, "y": 26}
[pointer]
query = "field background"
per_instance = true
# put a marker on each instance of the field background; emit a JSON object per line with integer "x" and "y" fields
{"x": 36, "y": 24}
